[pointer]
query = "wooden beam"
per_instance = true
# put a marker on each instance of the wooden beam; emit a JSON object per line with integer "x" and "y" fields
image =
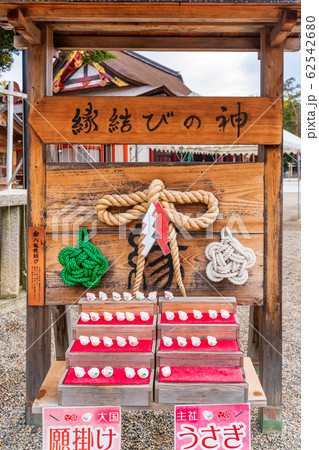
{"x": 19, "y": 42}
{"x": 49, "y": 51}
{"x": 270, "y": 341}
{"x": 155, "y": 27}
{"x": 165, "y": 43}
{"x": 24, "y": 26}
{"x": 159, "y": 12}
{"x": 282, "y": 30}
{"x": 292, "y": 44}
{"x": 162, "y": 43}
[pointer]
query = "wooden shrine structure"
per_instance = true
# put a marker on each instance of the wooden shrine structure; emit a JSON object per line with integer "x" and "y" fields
{"x": 252, "y": 192}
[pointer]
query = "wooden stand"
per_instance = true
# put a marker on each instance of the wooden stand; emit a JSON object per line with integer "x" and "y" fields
{"x": 201, "y": 393}
{"x": 141, "y": 331}
{"x": 251, "y": 191}
{"x": 205, "y": 392}
{"x": 121, "y": 394}
{"x": 112, "y": 307}
{"x": 220, "y": 331}
{"x": 188, "y": 304}
{"x": 48, "y": 394}
{"x": 126, "y": 395}
{"x": 198, "y": 359}
{"x": 165, "y": 392}
{"x": 100, "y": 359}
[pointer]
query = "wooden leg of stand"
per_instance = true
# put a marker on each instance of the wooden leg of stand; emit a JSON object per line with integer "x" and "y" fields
{"x": 253, "y": 335}
{"x": 38, "y": 352}
{"x": 61, "y": 323}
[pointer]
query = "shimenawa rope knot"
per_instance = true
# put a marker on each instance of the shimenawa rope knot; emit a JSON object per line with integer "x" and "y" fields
{"x": 139, "y": 203}
{"x": 83, "y": 263}
{"x": 229, "y": 259}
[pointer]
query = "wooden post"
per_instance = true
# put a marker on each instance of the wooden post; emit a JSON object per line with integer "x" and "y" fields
{"x": 38, "y": 351}
{"x": 270, "y": 341}
{"x": 254, "y": 336}
{"x": 60, "y": 315}
{"x": 254, "y": 311}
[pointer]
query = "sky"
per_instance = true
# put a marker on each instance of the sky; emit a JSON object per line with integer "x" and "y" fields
{"x": 206, "y": 73}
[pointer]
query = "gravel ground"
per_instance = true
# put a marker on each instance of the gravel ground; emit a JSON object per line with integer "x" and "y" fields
{"x": 154, "y": 430}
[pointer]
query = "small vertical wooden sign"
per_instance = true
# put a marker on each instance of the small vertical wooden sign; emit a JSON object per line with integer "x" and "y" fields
{"x": 36, "y": 266}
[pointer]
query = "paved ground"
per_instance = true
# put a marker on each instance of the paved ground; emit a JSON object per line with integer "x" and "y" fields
{"x": 290, "y": 438}
{"x": 148, "y": 430}
{"x": 290, "y": 185}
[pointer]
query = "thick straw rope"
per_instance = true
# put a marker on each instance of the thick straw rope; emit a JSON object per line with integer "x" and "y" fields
{"x": 140, "y": 202}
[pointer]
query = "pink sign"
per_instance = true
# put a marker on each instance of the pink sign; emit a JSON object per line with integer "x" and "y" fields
{"x": 82, "y": 428}
{"x": 201, "y": 427}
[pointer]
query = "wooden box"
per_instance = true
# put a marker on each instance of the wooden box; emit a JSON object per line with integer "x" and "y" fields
{"x": 149, "y": 306}
{"x": 199, "y": 358}
{"x": 220, "y": 331}
{"x": 102, "y": 395}
{"x": 139, "y": 331}
{"x": 113, "y": 359}
{"x": 201, "y": 393}
{"x": 203, "y": 304}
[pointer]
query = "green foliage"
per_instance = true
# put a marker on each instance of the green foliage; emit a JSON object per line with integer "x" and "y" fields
{"x": 288, "y": 158}
{"x": 6, "y": 50}
{"x": 3, "y": 84}
{"x": 292, "y": 106}
{"x": 89, "y": 56}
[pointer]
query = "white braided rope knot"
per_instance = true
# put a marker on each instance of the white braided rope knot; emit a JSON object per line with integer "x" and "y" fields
{"x": 229, "y": 259}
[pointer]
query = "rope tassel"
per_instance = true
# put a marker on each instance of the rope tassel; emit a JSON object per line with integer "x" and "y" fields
{"x": 139, "y": 203}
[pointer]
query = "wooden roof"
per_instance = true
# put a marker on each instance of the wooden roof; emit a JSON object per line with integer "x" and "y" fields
{"x": 130, "y": 74}
{"x": 210, "y": 25}
{"x": 143, "y": 71}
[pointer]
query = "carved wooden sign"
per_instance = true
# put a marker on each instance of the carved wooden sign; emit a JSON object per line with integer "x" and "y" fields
{"x": 35, "y": 266}
{"x": 158, "y": 120}
{"x": 72, "y": 193}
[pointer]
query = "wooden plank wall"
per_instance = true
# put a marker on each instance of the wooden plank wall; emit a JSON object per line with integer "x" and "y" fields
{"x": 73, "y": 190}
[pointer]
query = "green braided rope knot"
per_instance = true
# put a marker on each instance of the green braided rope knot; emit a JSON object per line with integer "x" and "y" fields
{"x": 84, "y": 264}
